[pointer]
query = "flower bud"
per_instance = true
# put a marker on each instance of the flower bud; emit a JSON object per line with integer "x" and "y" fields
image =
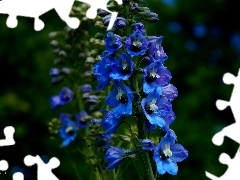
{"x": 92, "y": 99}
{"x": 86, "y": 88}
{"x": 120, "y": 22}
{"x": 102, "y": 13}
{"x": 147, "y": 145}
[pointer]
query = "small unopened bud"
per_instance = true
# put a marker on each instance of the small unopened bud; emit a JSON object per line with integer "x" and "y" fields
{"x": 54, "y": 43}
{"x": 152, "y": 19}
{"x": 86, "y": 88}
{"x": 92, "y": 99}
{"x": 90, "y": 60}
{"x": 63, "y": 53}
{"x": 102, "y": 13}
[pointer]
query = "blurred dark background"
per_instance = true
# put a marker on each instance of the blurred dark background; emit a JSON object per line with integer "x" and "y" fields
{"x": 202, "y": 41}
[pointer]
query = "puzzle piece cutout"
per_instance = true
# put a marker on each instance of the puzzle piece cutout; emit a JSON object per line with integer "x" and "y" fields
{"x": 8, "y": 132}
{"x": 44, "y": 171}
{"x": 232, "y": 172}
{"x": 231, "y": 131}
{"x": 36, "y": 8}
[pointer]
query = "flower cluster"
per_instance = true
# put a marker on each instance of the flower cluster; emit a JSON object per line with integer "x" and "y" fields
{"x": 77, "y": 92}
{"x": 133, "y": 65}
{"x": 130, "y": 76}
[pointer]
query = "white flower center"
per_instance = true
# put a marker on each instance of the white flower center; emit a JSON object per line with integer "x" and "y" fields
{"x": 68, "y": 129}
{"x": 119, "y": 94}
{"x": 166, "y": 151}
{"x": 153, "y": 73}
{"x": 124, "y": 64}
{"x": 137, "y": 43}
{"x": 153, "y": 105}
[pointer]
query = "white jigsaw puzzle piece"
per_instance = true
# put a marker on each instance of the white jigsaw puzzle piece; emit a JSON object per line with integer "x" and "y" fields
{"x": 3, "y": 165}
{"x": 44, "y": 171}
{"x": 8, "y": 132}
{"x": 36, "y": 8}
{"x": 232, "y": 172}
{"x": 231, "y": 131}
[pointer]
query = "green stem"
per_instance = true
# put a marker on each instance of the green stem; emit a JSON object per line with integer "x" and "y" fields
{"x": 73, "y": 164}
{"x": 113, "y": 175}
{"x": 141, "y": 135}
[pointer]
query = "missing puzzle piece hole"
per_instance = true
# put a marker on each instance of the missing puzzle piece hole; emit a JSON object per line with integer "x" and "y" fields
{"x": 228, "y": 78}
{"x": 38, "y": 24}
{"x": 12, "y": 21}
{"x": 218, "y": 139}
{"x": 73, "y": 22}
{"x": 221, "y": 105}
{"x": 18, "y": 176}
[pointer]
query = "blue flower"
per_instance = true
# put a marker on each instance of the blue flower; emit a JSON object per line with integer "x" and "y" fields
{"x": 136, "y": 44}
{"x": 170, "y": 92}
{"x": 113, "y": 43}
{"x": 102, "y": 71}
{"x": 65, "y": 95}
{"x": 155, "y": 75}
{"x": 122, "y": 68}
{"x": 156, "y": 52}
{"x": 167, "y": 154}
{"x": 114, "y": 157}
{"x": 147, "y": 145}
{"x": 81, "y": 119}
{"x": 55, "y": 102}
{"x": 109, "y": 123}
{"x": 120, "y": 99}
{"x": 67, "y": 131}
{"x": 139, "y": 27}
{"x": 156, "y": 107}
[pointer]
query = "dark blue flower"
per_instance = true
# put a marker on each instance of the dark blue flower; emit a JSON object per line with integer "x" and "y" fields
{"x": 167, "y": 154}
{"x": 147, "y": 145}
{"x": 134, "y": 7}
{"x": 156, "y": 52}
{"x": 109, "y": 123}
{"x": 155, "y": 75}
{"x": 81, "y": 119}
{"x": 55, "y": 102}
{"x": 67, "y": 131}
{"x": 113, "y": 43}
{"x": 156, "y": 107}
{"x": 120, "y": 23}
{"x": 136, "y": 44}
{"x": 170, "y": 92}
{"x": 122, "y": 68}
{"x": 139, "y": 27}
{"x": 104, "y": 141}
{"x": 102, "y": 71}
{"x": 66, "y": 95}
{"x": 86, "y": 88}
{"x": 120, "y": 99}
{"x": 114, "y": 157}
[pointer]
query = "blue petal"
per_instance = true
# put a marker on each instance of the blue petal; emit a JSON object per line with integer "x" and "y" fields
{"x": 170, "y": 167}
{"x": 114, "y": 164}
{"x": 154, "y": 119}
{"x": 167, "y": 139}
{"x": 111, "y": 99}
{"x": 179, "y": 153}
{"x": 160, "y": 168}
